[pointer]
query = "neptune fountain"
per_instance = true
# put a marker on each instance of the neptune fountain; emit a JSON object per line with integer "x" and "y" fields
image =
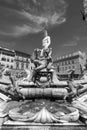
{"x": 40, "y": 98}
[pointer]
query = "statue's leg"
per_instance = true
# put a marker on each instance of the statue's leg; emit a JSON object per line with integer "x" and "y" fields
{"x": 17, "y": 90}
{"x": 31, "y": 75}
{"x": 42, "y": 65}
{"x": 52, "y": 77}
{"x": 34, "y": 76}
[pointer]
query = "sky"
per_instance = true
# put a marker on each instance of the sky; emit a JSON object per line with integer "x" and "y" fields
{"x": 22, "y": 23}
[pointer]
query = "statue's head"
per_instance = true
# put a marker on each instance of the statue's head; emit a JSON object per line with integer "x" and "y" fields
{"x": 47, "y": 40}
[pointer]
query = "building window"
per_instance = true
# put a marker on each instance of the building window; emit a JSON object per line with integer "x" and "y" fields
{"x": 62, "y": 63}
{"x": 65, "y": 62}
{"x": 22, "y": 65}
{"x": 65, "y": 68}
{"x": 27, "y": 59}
{"x": 69, "y": 67}
{"x": 73, "y": 67}
{"x": 3, "y": 59}
{"x": 69, "y": 62}
{"x": 58, "y": 68}
{"x": 17, "y": 65}
{"x": 12, "y": 60}
{"x": 8, "y": 60}
{"x": 27, "y": 66}
{"x": 11, "y": 66}
{"x": 20, "y": 58}
{"x": 1, "y": 65}
{"x": 72, "y": 61}
{"x": 7, "y": 66}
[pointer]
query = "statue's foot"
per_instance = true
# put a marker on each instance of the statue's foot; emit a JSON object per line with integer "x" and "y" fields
{"x": 65, "y": 97}
{"x": 25, "y": 79}
{"x": 9, "y": 99}
{"x": 31, "y": 82}
{"x": 23, "y": 97}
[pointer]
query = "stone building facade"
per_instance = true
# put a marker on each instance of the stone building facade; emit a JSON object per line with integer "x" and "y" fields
{"x": 13, "y": 59}
{"x": 7, "y": 57}
{"x": 22, "y": 60}
{"x": 75, "y": 61}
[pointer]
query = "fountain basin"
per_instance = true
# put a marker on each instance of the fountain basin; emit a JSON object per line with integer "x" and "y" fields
{"x": 44, "y": 112}
{"x": 81, "y": 104}
{"x": 44, "y": 92}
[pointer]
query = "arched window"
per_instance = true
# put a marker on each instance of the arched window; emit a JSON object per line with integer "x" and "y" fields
{"x": 3, "y": 59}
{"x": 26, "y": 65}
{"x": 12, "y": 60}
{"x": 11, "y": 66}
{"x": 7, "y": 59}
{"x": 22, "y": 65}
{"x": 17, "y": 65}
{"x": 7, "y": 66}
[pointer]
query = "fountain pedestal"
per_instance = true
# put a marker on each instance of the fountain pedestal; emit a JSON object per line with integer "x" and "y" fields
{"x": 11, "y": 125}
{"x": 3, "y": 119}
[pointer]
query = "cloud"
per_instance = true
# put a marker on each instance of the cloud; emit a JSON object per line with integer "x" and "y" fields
{"x": 43, "y": 21}
{"x": 8, "y": 1}
{"x": 25, "y": 29}
{"x": 41, "y": 14}
{"x": 32, "y": 16}
{"x": 75, "y": 41}
{"x": 83, "y": 38}
{"x": 47, "y": 13}
{"x": 72, "y": 44}
{"x": 7, "y": 33}
{"x": 7, "y": 44}
{"x": 17, "y": 31}
{"x": 76, "y": 38}
{"x": 80, "y": 38}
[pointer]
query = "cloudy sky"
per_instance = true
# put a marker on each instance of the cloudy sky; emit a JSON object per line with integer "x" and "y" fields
{"x": 22, "y": 23}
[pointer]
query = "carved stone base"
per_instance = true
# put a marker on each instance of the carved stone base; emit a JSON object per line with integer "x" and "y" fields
{"x": 12, "y": 125}
{"x": 3, "y": 119}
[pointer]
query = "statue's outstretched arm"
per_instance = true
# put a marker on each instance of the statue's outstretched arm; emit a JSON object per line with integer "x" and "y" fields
{"x": 50, "y": 52}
